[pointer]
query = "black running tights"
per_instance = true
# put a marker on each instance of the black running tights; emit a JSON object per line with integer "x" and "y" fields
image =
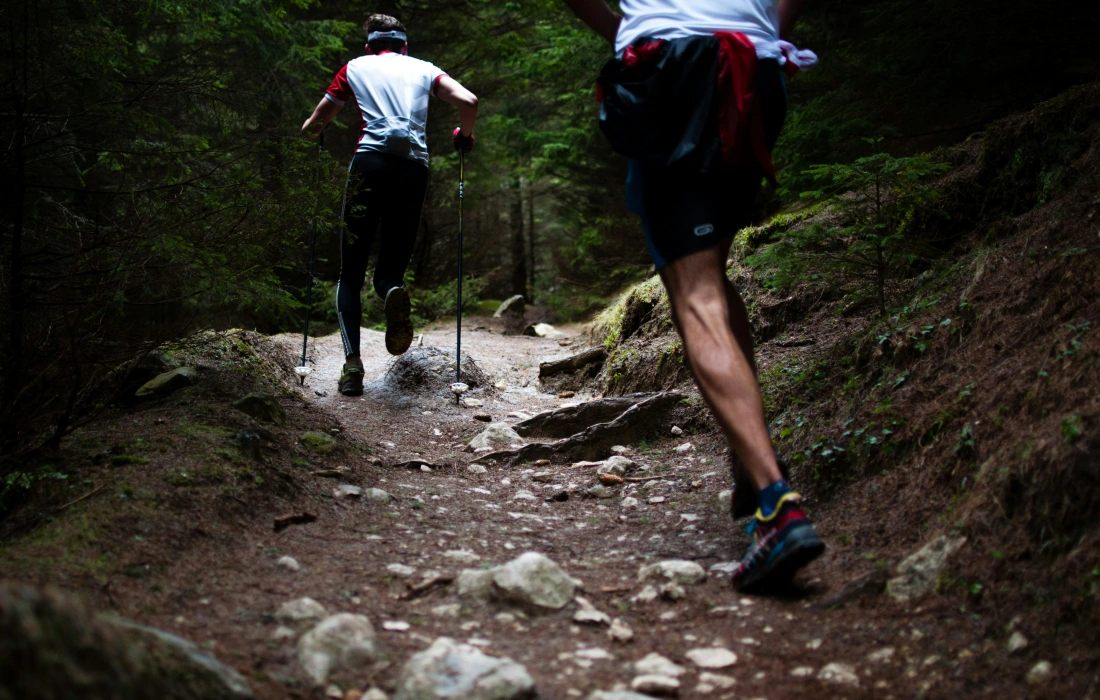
{"x": 384, "y": 190}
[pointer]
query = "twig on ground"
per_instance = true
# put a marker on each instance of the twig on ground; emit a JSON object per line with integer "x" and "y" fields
{"x": 87, "y": 495}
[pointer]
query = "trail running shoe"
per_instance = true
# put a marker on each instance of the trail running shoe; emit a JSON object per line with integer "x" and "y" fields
{"x": 399, "y": 327}
{"x": 744, "y": 501}
{"x": 782, "y": 544}
{"x": 351, "y": 381}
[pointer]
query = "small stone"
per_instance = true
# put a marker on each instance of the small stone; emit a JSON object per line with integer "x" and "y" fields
{"x": 617, "y": 465}
{"x": 315, "y": 440}
{"x": 463, "y": 556}
{"x": 672, "y": 591}
{"x": 712, "y": 657}
{"x": 334, "y": 691}
{"x": 813, "y": 644}
{"x": 1016, "y": 642}
{"x": 656, "y": 665}
{"x": 717, "y": 680}
{"x": 288, "y": 563}
{"x": 495, "y": 436}
{"x": 656, "y": 685}
{"x": 375, "y": 694}
{"x": 617, "y": 695}
{"x": 839, "y": 674}
{"x": 725, "y": 499}
{"x": 448, "y": 610}
{"x": 594, "y": 654}
{"x": 483, "y": 417}
{"x": 534, "y": 579}
{"x": 340, "y": 641}
{"x": 301, "y": 609}
{"x": 802, "y": 671}
{"x": 566, "y": 394}
{"x": 543, "y": 477}
{"x": 282, "y": 633}
{"x": 401, "y": 570}
{"x": 918, "y": 573}
{"x": 629, "y": 502}
{"x": 678, "y": 570}
{"x": 476, "y": 469}
{"x": 448, "y": 669}
{"x": 620, "y": 631}
{"x": 600, "y": 491}
{"x": 378, "y": 495}
{"x": 347, "y": 491}
{"x": 472, "y": 403}
{"x": 587, "y": 614}
{"x": 646, "y": 595}
{"x": 619, "y": 449}
{"x": 686, "y": 447}
{"x": 677, "y": 430}
{"x": 395, "y": 626}
{"x": 883, "y": 655}
{"x": 1040, "y": 673}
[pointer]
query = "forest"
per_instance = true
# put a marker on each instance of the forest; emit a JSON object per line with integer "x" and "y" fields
{"x": 158, "y": 204}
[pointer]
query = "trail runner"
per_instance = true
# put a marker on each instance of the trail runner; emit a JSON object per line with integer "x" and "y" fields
{"x": 696, "y": 97}
{"x": 388, "y": 177}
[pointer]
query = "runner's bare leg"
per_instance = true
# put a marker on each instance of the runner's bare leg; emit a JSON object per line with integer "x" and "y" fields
{"x": 705, "y": 315}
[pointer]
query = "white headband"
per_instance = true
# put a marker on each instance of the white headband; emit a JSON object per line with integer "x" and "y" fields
{"x": 400, "y": 36}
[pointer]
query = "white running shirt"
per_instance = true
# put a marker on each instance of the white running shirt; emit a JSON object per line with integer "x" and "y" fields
{"x": 392, "y": 91}
{"x": 675, "y": 19}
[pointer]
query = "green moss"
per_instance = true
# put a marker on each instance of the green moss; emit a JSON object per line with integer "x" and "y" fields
{"x": 321, "y": 443}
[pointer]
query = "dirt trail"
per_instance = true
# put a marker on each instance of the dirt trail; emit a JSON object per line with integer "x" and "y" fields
{"x": 781, "y": 644}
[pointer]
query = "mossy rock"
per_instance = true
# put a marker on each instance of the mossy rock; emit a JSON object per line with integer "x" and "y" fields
{"x": 164, "y": 384}
{"x": 263, "y": 407}
{"x": 321, "y": 443}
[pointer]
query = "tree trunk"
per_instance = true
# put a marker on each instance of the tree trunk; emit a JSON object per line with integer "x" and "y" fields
{"x": 519, "y": 253}
{"x": 531, "y": 237}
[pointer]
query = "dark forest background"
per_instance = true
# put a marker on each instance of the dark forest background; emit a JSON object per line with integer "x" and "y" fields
{"x": 153, "y": 184}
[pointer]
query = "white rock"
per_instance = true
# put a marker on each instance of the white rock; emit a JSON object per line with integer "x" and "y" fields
{"x": 594, "y": 654}
{"x": 600, "y": 491}
{"x": 333, "y": 691}
{"x": 401, "y": 569}
{"x": 463, "y": 556}
{"x": 476, "y": 469}
{"x": 725, "y": 501}
{"x": 347, "y": 491}
{"x": 587, "y": 614}
{"x": 917, "y": 574}
{"x": 617, "y": 695}
{"x": 620, "y": 631}
{"x": 301, "y": 609}
{"x": 678, "y": 570}
{"x": 712, "y": 657}
{"x": 534, "y": 579}
{"x": 395, "y": 626}
{"x": 883, "y": 655}
{"x": 378, "y": 495}
{"x": 475, "y": 584}
{"x": 343, "y": 640}
{"x": 1016, "y": 642}
{"x": 802, "y": 671}
{"x": 839, "y": 674}
{"x": 654, "y": 500}
{"x": 677, "y": 430}
{"x": 1040, "y": 673}
{"x": 543, "y": 477}
{"x": 617, "y": 465}
{"x": 656, "y": 685}
{"x": 813, "y": 644}
{"x": 495, "y": 436}
{"x": 447, "y": 670}
{"x": 717, "y": 680}
{"x": 646, "y": 595}
{"x": 288, "y": 563}
{"x": 448, "y": 610}
{"x": 670, "y": 590}
{"x": 653, "y": 664}
{"x": 282, "y": 633}
{"x": 686, "y": 447}
{"x": 629, "y": 502}
{"x": 472, "y": 403}
{"x": 375, "y": 694}
{"x": 619, "y": 449}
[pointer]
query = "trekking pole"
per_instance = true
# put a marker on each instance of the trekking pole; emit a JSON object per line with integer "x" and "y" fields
{"x": 458, "y": 337}
{"x": 305, "y": 369}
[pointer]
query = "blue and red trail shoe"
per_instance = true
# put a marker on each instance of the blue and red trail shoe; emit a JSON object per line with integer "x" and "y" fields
{"x": 782, "y": 543}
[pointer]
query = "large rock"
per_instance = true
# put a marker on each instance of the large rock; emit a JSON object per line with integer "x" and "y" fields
{"x": 495, "y": 436}
{"x": 617, "y": 465}
{"x": 677, "y": 570}
{"x": 534, "y": 579}
{"x": 343, "y": 640}
{"x": 476, "y": 585}
{"x": 918, "y": 573}
{"x": 165, "y": 384}
{"x": 263, "y": 407}
{"x": 449, "y": 670}
{"x": 321, "y": 443}
{"x": 56, "y": 647}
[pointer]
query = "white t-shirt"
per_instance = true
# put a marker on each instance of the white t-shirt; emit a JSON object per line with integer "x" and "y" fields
{"x": 392, "y": 91}
{"x": 675, "y": 19}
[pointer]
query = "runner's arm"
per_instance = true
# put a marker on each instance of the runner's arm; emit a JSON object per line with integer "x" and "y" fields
{"x": 596, "y": 14}
{"x": 451, "y": 91}
{"x": 325, "y": 112}
{"x": 788, "y": 13}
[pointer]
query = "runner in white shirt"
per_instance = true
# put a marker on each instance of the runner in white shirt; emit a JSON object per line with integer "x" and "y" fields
{"x": 388, "y": 176}
{"x": 695, "y": 97}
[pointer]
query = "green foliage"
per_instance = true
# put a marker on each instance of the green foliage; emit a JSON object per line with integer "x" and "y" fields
{"x": 866, "y": 238}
